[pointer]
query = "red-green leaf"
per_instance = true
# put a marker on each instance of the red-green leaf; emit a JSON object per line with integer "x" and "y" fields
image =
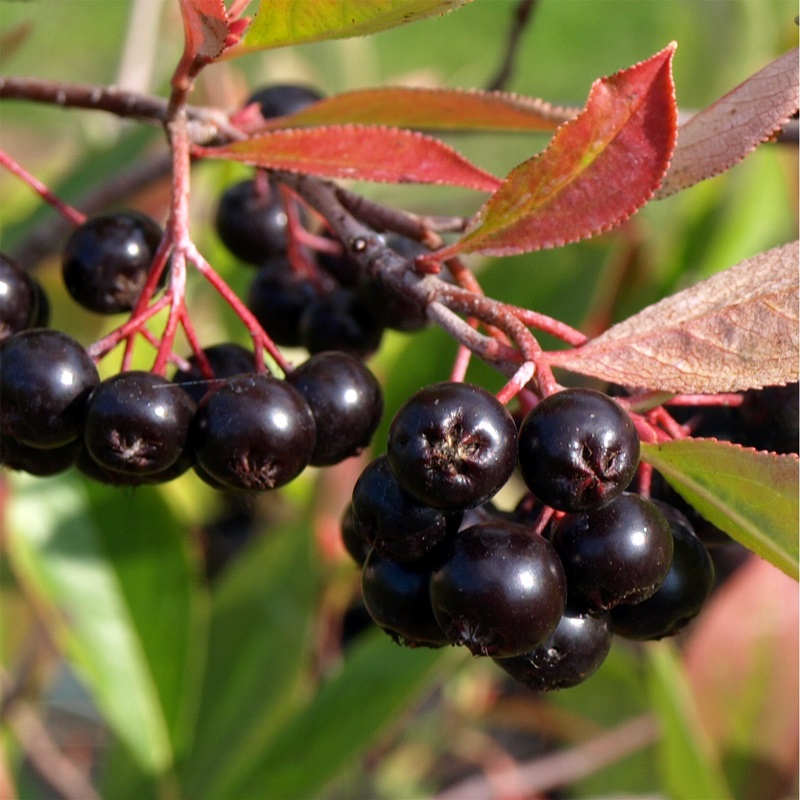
{"x": 750, "y": 495}
{"x": 358, "y": 152}
{"x": 598, "y": 169}
{"x": 736, "y": 330}
{"x": 434, "y": 109}
{"x": 279, "y": 23}
{"x": 721, "y": 135}
{"x": 205, "y": 24}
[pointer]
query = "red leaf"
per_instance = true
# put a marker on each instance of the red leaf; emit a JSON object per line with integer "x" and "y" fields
{"x": 205, "y": 24}
{"x": 721, "y": 135}
{"x": 441, "y": 109}
{"x": 358, "y": 152}
{"x": 736, "y": 330}
{"x": 598, "y": 169}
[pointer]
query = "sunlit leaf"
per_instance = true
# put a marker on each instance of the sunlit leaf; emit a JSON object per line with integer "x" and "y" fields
{"x": 736, "y": 330}
{"x": 744, "y": 645}
{"x": 279, "y": 23}
{"x": 598, "y": 169}
{"x": 719, "y": 136}
{"x": 689, "y": 763}
{"x": 751, "y": 495}
{"x": 118, "y": 595}
{"x": 358, "y": 152}
{"x": 439, "y": 109}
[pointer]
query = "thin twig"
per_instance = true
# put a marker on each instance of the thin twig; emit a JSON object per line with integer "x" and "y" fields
{"x": 520, "y": 20}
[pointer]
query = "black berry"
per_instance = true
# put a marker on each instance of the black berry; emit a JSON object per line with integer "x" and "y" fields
{"x": 226, "y": 360}
{"x": 452, "y": 445}
{"x": 19, "y": 298}
{"x": 283, "y": 98}
{"x": 682, "y": 594}
{"x": 346, "y": 401}
{"x": 106, "y": 260}
{"x": 137, "y": 423}
{"x": 394, "y": 522}
{"x": 500, "y": 589}
{"x": 578, "y": 450}
{"x": 39, "y": 461}
{"x": 251, "y": 221}
{"x": 573, "y": 651}
{"x": 253, "y": 432}
{"x": 398, "y": 600}
{"x": 620, "y": 553}
{"x": 45, "y": 378}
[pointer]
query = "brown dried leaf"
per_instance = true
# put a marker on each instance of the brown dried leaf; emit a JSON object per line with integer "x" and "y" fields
{"x": 737, "y": 330}
{"x": 721, "y": 135}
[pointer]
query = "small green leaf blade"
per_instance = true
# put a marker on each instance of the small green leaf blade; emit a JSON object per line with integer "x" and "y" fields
{"x": 377, "y": 683}
{"x": 260, "y": 641}
{"x": 690, "y": 766}
{"x": 751, "y": 495}
{"x": 280, "y": 23}
{"x": 117, "y": 593}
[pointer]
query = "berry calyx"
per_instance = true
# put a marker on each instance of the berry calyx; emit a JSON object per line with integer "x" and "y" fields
{"x": 253, "y": 433}
{"x": 452, "y": 445}
{"x": 500, "y": 589}
{"x": 106, "y": 260}
{"x": 578, "y": 450}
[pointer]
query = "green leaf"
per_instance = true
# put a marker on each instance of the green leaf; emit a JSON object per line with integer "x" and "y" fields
{"x": 379, "y": 680}
{"x": 287, "y": 22}
{"x": 259, "y": 648}
{"x": 111, "y": 572}
{"x": 690, "y": 766}
{"x": 750, "y": 495}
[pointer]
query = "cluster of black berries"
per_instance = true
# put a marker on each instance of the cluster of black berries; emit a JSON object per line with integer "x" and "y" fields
{"x": 321, "y": 301}
{"x": 245, "y": 431}
{"x": 440, "y": 565}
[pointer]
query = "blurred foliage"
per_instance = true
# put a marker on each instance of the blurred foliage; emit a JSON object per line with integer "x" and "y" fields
{"x": 252, "y": 684}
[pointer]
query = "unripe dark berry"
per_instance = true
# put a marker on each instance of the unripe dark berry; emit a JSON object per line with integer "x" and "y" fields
{"x": 682, "y": 594}
{"x": 253, "y": 433}
{"x": 452, "y": 445}
{"x": 346, "y": 401}
{"x": 106, "y": 260}
{"x": 500, "y": 589}
{"x": 394, "y": 522}
{"x": 137, "y": 422}
{"x": 398, "y": 600}
{"x": 45, "y": 378}
{"x": 573, "y": 652}
{"x": 578, "y": 450}
{"x": 620, "y": 553}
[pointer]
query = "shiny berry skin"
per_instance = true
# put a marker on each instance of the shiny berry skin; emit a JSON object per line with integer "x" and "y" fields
{"x": 45, "y": 378}
{"x": 106, "y": 260}
{"x": 340, "y": 321}
{"x": 452, "y": 445}
{"x": 680, "y": 597}
{"x": 137, "y": 422}
{"x": 500, "y": 589}
{"x": 394, "y": 522}
{"x": 620, "y": 553}
{"x": 397, "y": 598}
{"x": 578, "y": 450}
{"x": 346, "y": 401}
{"x": 19, "y": 298}
{"x": 253, "y": 433}
{"x": 251, "y": 223}
{"x": 357, "y": 547}
{"x": 226, "y": 360}
{"x": 278, "y": 298}
{"x": 573, "y": 652}
{"x": 283, "y": 98}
